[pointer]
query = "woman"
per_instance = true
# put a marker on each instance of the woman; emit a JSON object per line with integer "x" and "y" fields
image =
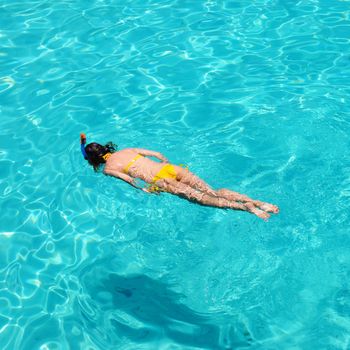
{"x": 133, "y": 163}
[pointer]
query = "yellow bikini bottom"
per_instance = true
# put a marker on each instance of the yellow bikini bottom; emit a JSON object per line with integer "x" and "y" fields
{"x": 167, "y": 172}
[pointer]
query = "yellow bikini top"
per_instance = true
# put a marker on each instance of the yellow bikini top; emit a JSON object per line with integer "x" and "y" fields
{"x": 126, "y": 169}
{"x": 106, "y": 156}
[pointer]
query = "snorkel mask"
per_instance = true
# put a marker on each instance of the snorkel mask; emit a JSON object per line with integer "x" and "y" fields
{"x": 82, "y": 145}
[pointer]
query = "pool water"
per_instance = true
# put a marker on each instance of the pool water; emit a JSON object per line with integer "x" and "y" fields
{"x": 252, "y": 96}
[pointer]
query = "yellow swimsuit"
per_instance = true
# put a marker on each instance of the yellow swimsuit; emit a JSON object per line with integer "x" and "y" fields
{"x": 166, "y": 172}
{"x": 126, "y": 169}
{"x": 106, "y": 156}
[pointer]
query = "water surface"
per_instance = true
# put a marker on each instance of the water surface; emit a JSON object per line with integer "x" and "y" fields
{"x": 253, "y": 96}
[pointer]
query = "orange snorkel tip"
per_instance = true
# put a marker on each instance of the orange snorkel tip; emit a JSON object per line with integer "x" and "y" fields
{"x": 82, "y": 138}
{"x": 82, "y": 145}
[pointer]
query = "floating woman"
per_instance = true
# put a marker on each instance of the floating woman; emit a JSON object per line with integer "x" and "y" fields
{"x": 130, "y": 164}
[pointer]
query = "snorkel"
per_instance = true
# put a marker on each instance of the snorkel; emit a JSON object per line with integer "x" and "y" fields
{"x": 82, "y": 145}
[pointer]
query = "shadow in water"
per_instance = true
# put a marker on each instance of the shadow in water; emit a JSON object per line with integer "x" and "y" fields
{"x": 144, "y": 310}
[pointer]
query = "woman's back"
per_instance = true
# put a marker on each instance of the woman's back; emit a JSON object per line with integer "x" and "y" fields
{"x": 131, "y": 162}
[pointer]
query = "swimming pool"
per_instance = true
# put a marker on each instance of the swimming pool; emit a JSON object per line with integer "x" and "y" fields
{"x": 253, "y": 96}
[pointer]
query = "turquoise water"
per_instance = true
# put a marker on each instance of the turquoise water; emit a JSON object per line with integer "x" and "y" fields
{"x": 252, "y": 95}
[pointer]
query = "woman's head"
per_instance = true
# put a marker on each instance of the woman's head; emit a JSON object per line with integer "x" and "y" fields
{"x": 95, "y": 153}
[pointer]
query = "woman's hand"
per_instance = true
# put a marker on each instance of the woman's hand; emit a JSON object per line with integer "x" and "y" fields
{"x": 162, "y": 158}
{"x": 150, "y": 191}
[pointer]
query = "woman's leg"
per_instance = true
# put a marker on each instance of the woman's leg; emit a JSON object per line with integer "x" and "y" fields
{"x": 190, "y": 179}
{"x": 235, "y": 196}
{"x": 186, "y": 191}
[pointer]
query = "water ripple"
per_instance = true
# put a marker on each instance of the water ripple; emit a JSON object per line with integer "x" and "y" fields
{"x": 252, "y": 96}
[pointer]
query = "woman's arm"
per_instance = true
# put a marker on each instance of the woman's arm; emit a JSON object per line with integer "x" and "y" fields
{"x": 130, "y": 180}
{"x": 146, "y": 152}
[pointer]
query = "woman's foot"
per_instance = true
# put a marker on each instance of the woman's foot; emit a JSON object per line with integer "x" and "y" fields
{"x": 270, "y": 208}
{"x": 234, "y": 196}
{"x": 254, "y": 210}
{"x": 262, "y": 215}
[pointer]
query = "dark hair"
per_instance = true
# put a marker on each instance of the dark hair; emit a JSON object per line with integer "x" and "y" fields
{"x": 95, "y": 153}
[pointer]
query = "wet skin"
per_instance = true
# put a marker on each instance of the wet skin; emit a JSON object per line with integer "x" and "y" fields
{"x": 186, "y": 184}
